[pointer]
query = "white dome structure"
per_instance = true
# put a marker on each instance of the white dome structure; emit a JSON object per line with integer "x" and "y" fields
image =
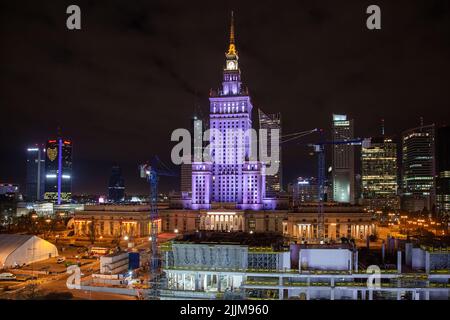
{"x": 17, "y": 249}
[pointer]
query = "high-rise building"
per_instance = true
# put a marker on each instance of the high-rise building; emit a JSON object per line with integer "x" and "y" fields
{"x": 58, "y": 170}
{"x": 443, "y": 169}
{"x": 116, "y": 185}
{"x": 231, "y": 176}
{"x": 304, "y": 190}
{"x": 418, "y": 168}
{"x": 379, "y": 174}
{"x": 274, "y": 183}
{"x": 35, "y": 186}
{"x": 343, "y": 158}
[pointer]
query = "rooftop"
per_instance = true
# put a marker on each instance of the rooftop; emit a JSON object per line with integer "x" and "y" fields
{"x": 266, "y": 239}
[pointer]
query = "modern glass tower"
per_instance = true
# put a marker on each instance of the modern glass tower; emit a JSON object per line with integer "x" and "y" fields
{"x": 274, "y": 183}
{"x": 116, "y": 185}
{"x": 418, "y": 168}
{"x": 343, "y": 160}
{"x": 231, "y": 176}
{"x": 443, "y": 169}
{"x": 58, "y": 170}
{"x": 35, "y": 173}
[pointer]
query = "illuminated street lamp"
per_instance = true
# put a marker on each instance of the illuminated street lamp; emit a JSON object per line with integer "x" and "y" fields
{"x": 126, "y": 238}
{"x": 176, "y": 230}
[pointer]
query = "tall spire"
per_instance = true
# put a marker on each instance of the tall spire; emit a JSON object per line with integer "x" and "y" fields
{"x": 232, "y": 47}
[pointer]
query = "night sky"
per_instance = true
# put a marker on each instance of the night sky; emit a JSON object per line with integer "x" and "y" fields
{"x": 137, "y": 69}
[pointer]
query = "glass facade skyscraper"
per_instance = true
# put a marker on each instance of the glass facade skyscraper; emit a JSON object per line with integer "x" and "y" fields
{"x": 418, "y": 168}
{"x": 35, "y": 185}
{"x": 58, "y": 170}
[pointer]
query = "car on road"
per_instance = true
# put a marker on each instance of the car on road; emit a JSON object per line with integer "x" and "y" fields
{"x": 60, "y": 259}
{"x": 7, "y": 276}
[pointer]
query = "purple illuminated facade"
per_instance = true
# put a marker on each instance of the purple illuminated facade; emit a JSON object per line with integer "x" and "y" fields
{"x": 230, "y": 180}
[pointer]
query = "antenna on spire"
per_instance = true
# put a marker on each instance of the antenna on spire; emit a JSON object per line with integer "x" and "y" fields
{"x": 382, "y": 127}
{"x": 232, "y": 48}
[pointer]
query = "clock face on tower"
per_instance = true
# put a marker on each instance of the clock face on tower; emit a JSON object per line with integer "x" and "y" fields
{"x": 231, "y": 65}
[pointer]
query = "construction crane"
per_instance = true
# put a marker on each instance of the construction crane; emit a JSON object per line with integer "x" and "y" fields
{"x": 152, "y": 171}
{"x": 319, "y": 149}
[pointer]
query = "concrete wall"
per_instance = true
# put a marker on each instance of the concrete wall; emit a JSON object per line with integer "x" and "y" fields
{"x": 325, "y": 259}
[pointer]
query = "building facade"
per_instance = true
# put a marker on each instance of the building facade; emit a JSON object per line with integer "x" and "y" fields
{"x": 113, "y": 221}
{"x": 299, "y": 225}
{"x": 418, "y": 168}
{"x": 58, "y": 171}
{"x": 343, "y": 160}
{"x": 443, "y": 170}
{"x": 304, "y": 190}
{"x": 230, "y": 176}
{"x": 257, "y": 267}
{"x": 116, "y": 185}
{"x": 35, "y": 186}
{"x": 379, "y": 175}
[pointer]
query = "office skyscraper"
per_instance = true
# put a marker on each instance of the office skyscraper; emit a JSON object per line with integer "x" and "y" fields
{"x": 116, "y": 185}
{"x": 379, "y": 174}
{"x": 443, "y": 169}
{"x": 198, "y": 125}
{"x": 274, "y": 183}
{"x": 418, "y": 168}
{"x": 58, "y": 170}
{"x": 35, "y": 186}
{"x": 343, "y": 160}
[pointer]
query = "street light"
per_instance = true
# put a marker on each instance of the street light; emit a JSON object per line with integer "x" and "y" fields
{"x": 126, "y": 238}
{"x": 176, "y": 230}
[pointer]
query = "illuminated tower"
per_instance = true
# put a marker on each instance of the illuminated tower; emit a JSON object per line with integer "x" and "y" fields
{"x": 231, "y": 176}
{"x": 443, "y": 169}
{"x": 269, "y": 122}
{"x": 58, "y": 170}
